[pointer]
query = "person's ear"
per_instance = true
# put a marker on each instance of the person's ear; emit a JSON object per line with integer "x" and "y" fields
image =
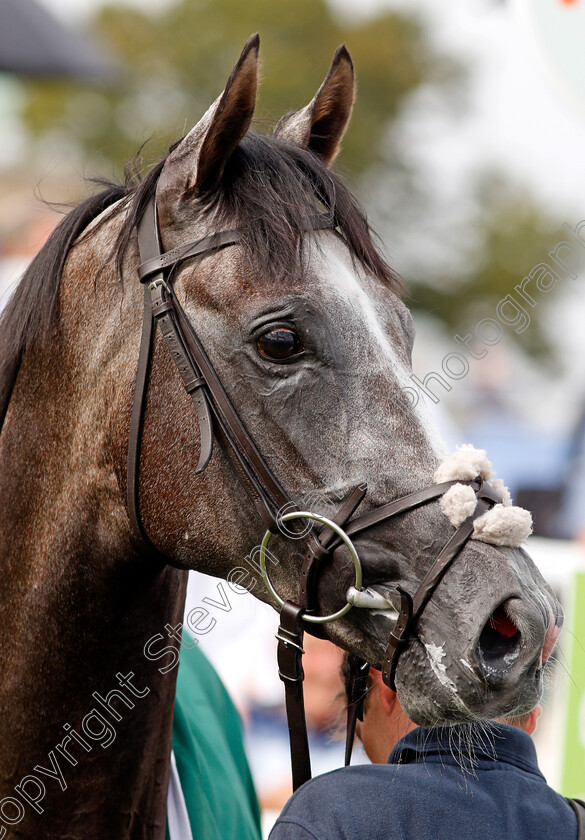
{"x": 386, "y": 696}
{"x": 532, "y": 720}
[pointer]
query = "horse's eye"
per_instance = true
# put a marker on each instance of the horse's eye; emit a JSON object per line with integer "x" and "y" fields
{"x": 279, "y": 344}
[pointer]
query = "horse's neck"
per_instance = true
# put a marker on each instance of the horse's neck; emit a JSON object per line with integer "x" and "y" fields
{"x": 77, "y": 608}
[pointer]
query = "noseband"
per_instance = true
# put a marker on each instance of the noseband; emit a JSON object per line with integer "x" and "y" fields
{"x": 215, "y": 411}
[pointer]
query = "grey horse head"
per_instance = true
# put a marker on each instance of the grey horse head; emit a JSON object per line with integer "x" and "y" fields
{"x": 312, "y": 342}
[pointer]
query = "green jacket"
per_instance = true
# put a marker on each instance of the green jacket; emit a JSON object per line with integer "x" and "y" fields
{"x": 212, "y": 765}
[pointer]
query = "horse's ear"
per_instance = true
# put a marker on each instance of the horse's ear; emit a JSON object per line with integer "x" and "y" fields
{"x": 321, "y": 124}
{"x": 198, "y": 160}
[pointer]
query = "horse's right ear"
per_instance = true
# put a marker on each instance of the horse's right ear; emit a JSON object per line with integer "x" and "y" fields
{"x": 321, "y": 124}
{"x": 196, "y": 164}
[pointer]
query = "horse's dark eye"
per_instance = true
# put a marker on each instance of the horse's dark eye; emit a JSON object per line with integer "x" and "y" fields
{"x": 279, "y": 344}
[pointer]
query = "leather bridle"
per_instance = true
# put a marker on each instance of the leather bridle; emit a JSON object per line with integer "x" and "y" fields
{"x": 214, "y": 410}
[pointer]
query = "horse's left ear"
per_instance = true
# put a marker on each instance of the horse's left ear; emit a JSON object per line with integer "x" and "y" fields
{"x": 321, "y": 124}
{"x": 198, "y": 160}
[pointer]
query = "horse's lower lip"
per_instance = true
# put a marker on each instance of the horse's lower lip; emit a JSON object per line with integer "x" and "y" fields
{"x": 551, "y": 636}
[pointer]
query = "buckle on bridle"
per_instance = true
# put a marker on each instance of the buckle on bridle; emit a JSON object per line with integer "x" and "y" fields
{"x": 288, "y": 642}
{"x": 398, "y": 639}
{"x": 157, "y": 283}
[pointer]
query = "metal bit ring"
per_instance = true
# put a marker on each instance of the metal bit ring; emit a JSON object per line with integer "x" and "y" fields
{"x": 304, "y": 514}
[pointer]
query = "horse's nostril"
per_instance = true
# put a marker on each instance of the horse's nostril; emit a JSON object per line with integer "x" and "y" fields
{"x": 499, "y": 643}
{"x": 501, "y": 623}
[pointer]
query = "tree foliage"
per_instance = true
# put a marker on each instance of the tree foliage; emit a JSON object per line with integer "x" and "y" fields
{"x": 176, "y": 61}
{"x": 506, "y": 235}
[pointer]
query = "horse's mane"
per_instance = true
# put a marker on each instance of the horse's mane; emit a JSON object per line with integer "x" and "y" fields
{"x": 267, "y": 186}
{"x": 30, "y": 312}
{"x": 270, "y": 188}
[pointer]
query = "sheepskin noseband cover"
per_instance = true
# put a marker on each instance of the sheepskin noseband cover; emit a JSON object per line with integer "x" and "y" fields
{"x": 504, "y": 524}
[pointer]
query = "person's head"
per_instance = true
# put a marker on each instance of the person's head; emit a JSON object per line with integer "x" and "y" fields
{"x": 385, "y": 721}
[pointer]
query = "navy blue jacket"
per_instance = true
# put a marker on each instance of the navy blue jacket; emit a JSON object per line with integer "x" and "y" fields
{"x": 434, "y": 787}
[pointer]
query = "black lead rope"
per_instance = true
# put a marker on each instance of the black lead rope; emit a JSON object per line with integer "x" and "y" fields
{"x": 356, "y": 688}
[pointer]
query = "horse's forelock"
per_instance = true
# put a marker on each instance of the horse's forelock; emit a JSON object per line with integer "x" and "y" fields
{"x": 268, "y": 190}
